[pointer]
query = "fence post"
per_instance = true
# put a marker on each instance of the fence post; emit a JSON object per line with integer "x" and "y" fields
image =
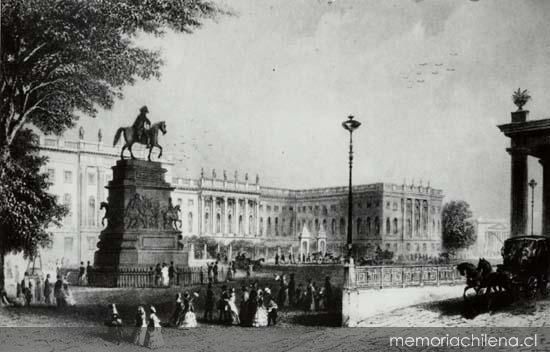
{"x": 437, "y": 275}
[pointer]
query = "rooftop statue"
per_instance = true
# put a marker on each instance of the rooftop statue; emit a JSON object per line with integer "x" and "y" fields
{"x": 141, "y": 132}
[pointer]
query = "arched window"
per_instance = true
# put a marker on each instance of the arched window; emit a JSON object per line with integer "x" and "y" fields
{"x": 190, "y": 222}
{"x": 359, "y": 226}
{"x": 206, "y": 221}
{"x": 230, "y": 223}
{"x": 218, "y": 222}
{"x": 241, "y": 229}
{"x": 333, "y": 227}
{"x": 325, "y": 210}
{"x": 261, "y": 226}
{"x": 342, "y": 226}
{"x": 91, "y": 211}
{"x": 388, "y": 226}
{"x": 325, "y": 224}
{"x": 377, "y": 226}
{"x": 395, "y": 226}
{"x": 276, "y": 226}
{"x": 316, "y": 225}
{"x": 269, "y": 226}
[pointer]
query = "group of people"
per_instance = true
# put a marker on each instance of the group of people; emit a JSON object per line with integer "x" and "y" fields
{"x": 84, "y": 274}
{"x": 147, "y": 330}
{"x": 34, "y": 290}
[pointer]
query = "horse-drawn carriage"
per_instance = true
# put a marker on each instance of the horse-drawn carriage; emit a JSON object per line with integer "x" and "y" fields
{"x": 525, "y": 269}
{"x": 526, "y": 264}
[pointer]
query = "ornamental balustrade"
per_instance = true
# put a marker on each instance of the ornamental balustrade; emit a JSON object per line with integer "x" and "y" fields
{"x": 378, "y": 277}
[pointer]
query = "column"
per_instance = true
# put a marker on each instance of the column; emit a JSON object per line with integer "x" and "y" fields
{"x": 519, "y": 192}
{"x": 236, "y": 216}
{"x": 225, "y": 218}
{"x": 202, "y": 217}
{"x": 545, "y": 195}
{"x": 413, "y": 204}
{"x": 257, "y": 218}
{"x": 246, "y": 216}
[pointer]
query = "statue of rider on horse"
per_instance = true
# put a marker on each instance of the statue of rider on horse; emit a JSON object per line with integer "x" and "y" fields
{"x": 141, "y": 132}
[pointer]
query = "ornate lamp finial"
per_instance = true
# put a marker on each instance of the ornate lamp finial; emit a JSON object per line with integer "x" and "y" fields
{"x": 520, "y": 98}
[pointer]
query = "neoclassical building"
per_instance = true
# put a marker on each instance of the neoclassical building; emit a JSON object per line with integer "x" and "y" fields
{"x": 405, "y": 219}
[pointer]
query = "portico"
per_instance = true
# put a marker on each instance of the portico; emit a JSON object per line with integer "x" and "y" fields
{"x": 528, "y": 138}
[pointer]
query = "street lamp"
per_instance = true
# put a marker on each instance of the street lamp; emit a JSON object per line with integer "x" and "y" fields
{"x": 351, "y": 125}
{"x": 532, "y": 184}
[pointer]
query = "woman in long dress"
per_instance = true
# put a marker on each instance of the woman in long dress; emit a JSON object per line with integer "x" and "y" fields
{"x": 189, "y": 319}
{"x": 243, "y": 313}
{"x": 67, "y": 294}
{"x": 165, "y": 275}
{"x": 260, "y": 318}
{"x": 140, "y": 330}
{"x": 153, "y": 338}
{"x": 233, "y": 311}
{"x": 114, "y": 323}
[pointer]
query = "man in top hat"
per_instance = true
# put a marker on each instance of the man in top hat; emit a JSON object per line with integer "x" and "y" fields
{"x": 139, "y": 124}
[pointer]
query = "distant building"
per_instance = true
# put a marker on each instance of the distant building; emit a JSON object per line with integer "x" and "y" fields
{"x": 491, "y": 234}
{"x": 405, "y": 219}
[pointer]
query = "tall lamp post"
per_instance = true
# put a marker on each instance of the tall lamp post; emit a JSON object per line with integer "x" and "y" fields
{"x": 532, "y": 184}
{"x": 350, "y": 125}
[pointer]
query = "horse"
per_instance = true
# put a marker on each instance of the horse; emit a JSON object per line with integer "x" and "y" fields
{"x": 497, "y": 281}
{"x": 473, "y": 277}
{"x": 130, "y": 137}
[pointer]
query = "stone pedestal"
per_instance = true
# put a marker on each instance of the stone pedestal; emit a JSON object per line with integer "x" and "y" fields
{"x": 143, "y": 224}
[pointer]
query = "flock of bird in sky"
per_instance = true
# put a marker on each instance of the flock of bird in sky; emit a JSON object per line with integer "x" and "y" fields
{"x": 426, "y": 71}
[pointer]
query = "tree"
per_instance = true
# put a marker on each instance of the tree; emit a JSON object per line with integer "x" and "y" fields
{"x": 458, "y": 231}
{"x": 64, "y": 57}
{"x": 60, "y": 59}
{"x": 26, "y": 208}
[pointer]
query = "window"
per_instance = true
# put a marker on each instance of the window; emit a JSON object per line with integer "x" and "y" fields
{"x": 377, "y": 226}
{"x": 67, "y": 202}
{"x": 276, "y": 208}
{"x": 325, "y": 210}
{"x": 408, "y": 247}
{"x": 342, "y": 226}
{"x": 261, "y": 226}
{"x": 268, "y": 226}
{"x": 241, "y": 225}
{"x": 333, "y": 227}
{"x": 388, "y": 226}
{"x": 91, "y": 211}
{"x": 395, "y": 226}
{"x": 359, "y": 226}
{"x": 250, "y": 225}
{"x": 190, "y": 222}
{"x": 395, "y": 206}
{"x": 51, "y": 175}
{"x": 324, "y": 224}
{"x": 276, "y": 226}
{"x": 91, "y": 179}
{"x": 317, "y": 225}
{"x": 206, "y": 221}
{"x": 68, "y": 246}
{"x": 218, "y": 222}
{"x": 388, "y": 205}
{"x": 369, "y": 228}
{"x": 190, "y": 203}
{"x": 92, "y": 243}
{"x": 68, "y": 176}
{"x": 369, "y": 204}
{"x": 268, "y": 208}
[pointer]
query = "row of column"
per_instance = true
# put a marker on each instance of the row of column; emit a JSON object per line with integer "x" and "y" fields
{"x": 519, "y": 192}
{"x": 414, "y": 232}
{"x": 250, "y": 213}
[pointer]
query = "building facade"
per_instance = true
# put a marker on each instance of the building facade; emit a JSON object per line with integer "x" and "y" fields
{"x": 404, "y": 219}
{"x": 490, "y": 237}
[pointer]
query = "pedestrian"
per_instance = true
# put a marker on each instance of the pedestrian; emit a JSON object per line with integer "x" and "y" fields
{"x": 290, "y": 258}
{"x": 26, "y": 288}
{"x": 277, "y": 259}
{"x": 215, "y": 272}
{"x": 171, "y": 274}
{"x": 291, "y": 290}
{"x": 67, "y": 294}
{"x": 140, "y": 330}
{"x": 243, "y": 312}
{"x": 248, "y": 271}
{"x": 177, "y": 311}
{"x": 89, "y": 273}
{"x": 210, "y": 268}
{"x": 189, "y": 319}
{"x": 158, "y": 275}
{"x": 4, "y": 301}
{"x": 260, "y": 316}
{"x": 272, "y": 309}
{"x": 114, "y": 322}
{"x": 38, "y": 289}
{"x": 299, "y": 296}
{"x": 309, "y": 302}
{"x": 58, "y": 292}
{"x": 165, "y": 276}
{"x": 222, "y": 305}
{"x": 329, "y": 301}
{"x": 209, "y": 303}
{"x": 81, "y": 274}
{"x": 283, "y": 292}
{"x": 233, "y": 311}
{"x": 283, "y": 258}
{"x": 153, "y": 337}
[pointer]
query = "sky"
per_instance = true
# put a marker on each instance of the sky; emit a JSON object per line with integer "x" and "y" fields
{"x": 265, "y": 91}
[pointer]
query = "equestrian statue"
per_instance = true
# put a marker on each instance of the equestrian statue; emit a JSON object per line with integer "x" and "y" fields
{"x": 141, "y": 132}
